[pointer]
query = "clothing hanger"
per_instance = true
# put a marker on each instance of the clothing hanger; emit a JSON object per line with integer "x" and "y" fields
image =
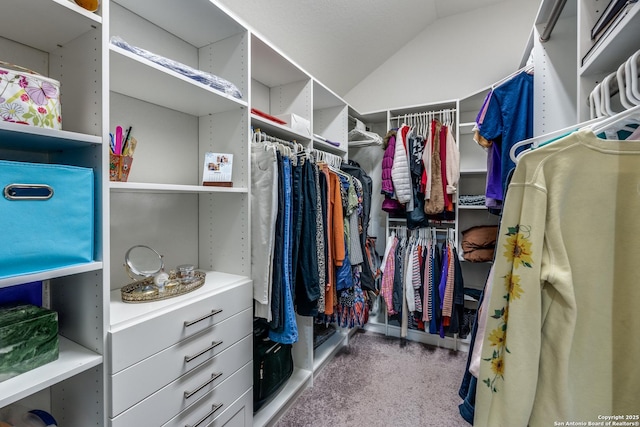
{"x": 594, "y": 102}
{"x": 633, "y": 62}
{"x": 540, "y": 140}
{"x": 425, "y": 124}
{"x": 615, "y": 121}
{"x": 629, "y": 82}
{"x": 622, "y": 91}
{"x": 605, "y": 95}
{"x": 527, "y": 69}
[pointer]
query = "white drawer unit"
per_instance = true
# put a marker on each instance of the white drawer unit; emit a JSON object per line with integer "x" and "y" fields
{"x": 136, "y": 382}
{"x": 166, "y": 322}
{"x": 218, "y": 409}
{"x": 183, "y": 355}
{"x": 190, "y": 388}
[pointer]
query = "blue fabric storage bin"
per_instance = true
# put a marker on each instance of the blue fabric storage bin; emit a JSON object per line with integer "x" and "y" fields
{"x": 47, "y": 216}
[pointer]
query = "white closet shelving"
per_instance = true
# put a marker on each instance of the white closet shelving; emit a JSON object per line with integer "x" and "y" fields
{"x": 554, "y": 79}
{"x": 601, "y": 57}
{"x": 176, "y": 120}
{"x": 473, "y": 177}
{"x": 380, "y": 122}
{"x": 175, "y": 124}
{"x": 66, "y": 47}
{"x": 562, "y": 82}
{"x": 330, "y": 120}
{"x": 279, "y": 87}
{"x": 370, "y": 159}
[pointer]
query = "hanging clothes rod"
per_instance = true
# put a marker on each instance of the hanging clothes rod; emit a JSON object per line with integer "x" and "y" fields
{"x": 424, "y": 114}
{"x": 270, "y": 138}
{"x": 329, "y": 158}
{"x": 405, "y": 228}
{"x": 556, "y": 11}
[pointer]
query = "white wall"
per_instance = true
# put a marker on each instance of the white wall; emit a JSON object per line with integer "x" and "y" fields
{"x": 452, "y": 58}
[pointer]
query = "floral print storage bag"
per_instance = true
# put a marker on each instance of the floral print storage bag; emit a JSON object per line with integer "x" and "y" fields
{"x": 29, "y": 98}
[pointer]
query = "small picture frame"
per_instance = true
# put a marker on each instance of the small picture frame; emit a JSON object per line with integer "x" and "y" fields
{"x": 217, "y": 169}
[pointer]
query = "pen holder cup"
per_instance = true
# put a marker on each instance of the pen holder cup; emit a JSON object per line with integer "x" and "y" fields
{"x": 119, "y": 167}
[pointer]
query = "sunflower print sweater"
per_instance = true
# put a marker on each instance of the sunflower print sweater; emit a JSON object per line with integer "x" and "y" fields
{"x": 558, "y": 345}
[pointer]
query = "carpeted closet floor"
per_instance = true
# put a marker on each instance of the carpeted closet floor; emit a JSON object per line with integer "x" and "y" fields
{"x": 376, "y": 381}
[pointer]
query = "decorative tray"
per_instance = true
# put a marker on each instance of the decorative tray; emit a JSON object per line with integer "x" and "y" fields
{"x": 145, "y": 290}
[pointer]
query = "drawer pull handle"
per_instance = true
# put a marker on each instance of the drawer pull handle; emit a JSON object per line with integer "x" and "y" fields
{"x": 213, "y": 345}
{"x": 188, "y": 394}
{"x": 206, "y": 316}
{"x": 214, "y": 408}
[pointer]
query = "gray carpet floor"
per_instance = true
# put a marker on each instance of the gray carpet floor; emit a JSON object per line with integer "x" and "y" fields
{"x": 376, "y": 381}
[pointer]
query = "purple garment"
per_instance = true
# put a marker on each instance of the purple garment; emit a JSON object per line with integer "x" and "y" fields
{"x": 494, "y": 186}
{"x": 387, "y": 164}
{"x": 389, "y": 204}
{"x": 443, "y": 284}
{"x": 393, "y": 207}
{"x": 483, "y": 110}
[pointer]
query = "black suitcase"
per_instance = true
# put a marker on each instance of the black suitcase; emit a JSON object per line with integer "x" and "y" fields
{"x": 272, "y": 365}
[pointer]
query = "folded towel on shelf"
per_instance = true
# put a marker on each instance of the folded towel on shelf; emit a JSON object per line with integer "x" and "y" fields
{"x": 472, "y": 200}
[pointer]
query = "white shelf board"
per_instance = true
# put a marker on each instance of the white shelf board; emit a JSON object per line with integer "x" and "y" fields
{"x": 616, "y": 47}
{"x": 294, "y": 386}
{"x": 370, "y": 117}
{"x": 142, "y": 187}
{"x": 270, "y": 67}
{"x": 137, "y": 77}
{"x": 325, "y": 146}
{"x": 325, "y": 98}
{"x": 473, "y": 171}
{"x": 325, "y": 352}
{"x": 277, "y": 130}
{"x": 472, "y": 208}
{"x": 462, "y": 259}
{"x": 377, "y": 327}
{"x": 51, "y": 274}
{"x": 200, "y": 24}
{"x": 420, "y": 336}
{"x": 53, "y": 23}
{"x": 72, "y": 360}
{"x": 421, "y": 108}
{"x": 18, "y": 136}
{"x": 123, "y": 314}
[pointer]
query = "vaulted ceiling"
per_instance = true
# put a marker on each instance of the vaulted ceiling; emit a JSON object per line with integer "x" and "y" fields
{"x": 340, "y": 42}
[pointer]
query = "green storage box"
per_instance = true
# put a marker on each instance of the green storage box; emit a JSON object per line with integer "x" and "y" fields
{"x": 28, "y": 339}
